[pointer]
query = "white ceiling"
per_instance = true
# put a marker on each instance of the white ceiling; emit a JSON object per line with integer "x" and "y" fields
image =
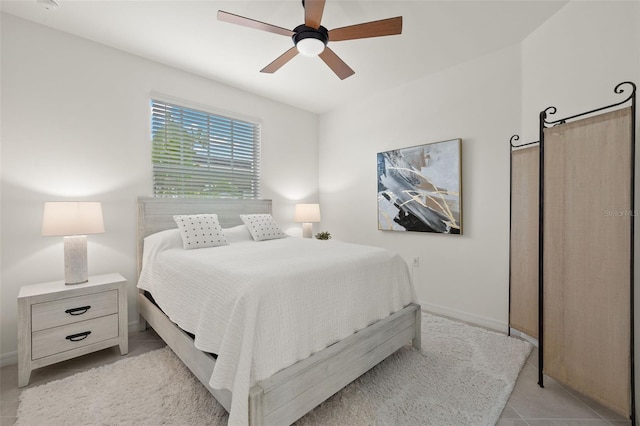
{"x": 186, "y": 34}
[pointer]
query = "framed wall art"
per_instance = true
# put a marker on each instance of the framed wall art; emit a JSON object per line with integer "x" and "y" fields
{"x": 420, "y": 188}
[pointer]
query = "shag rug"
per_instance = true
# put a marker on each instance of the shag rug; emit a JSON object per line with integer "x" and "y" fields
{"x": 463, "y": 376}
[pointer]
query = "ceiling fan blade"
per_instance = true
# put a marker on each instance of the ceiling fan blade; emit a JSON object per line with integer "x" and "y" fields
{"x": 280, "y": 61}
{"x": 313, "y": 13}
{"x": 252, "y": 23}
{"x": 336, "y": 64}
{"x": 384, "y": 27}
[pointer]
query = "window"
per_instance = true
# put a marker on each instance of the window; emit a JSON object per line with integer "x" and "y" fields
{"x": 198, "y": 154}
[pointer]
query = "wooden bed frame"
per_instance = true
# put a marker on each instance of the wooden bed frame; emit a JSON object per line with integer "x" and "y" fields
{"x": 294, "y": 391}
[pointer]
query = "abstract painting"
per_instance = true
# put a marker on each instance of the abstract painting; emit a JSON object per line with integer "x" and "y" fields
{"x": 419, "y": 188}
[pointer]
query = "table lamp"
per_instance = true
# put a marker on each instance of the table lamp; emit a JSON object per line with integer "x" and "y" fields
{"x": 307, "y": 214}
{"x": 73, "y": 220}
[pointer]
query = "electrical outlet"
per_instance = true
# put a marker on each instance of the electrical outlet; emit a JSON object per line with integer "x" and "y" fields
{"x": 416, "y": 262}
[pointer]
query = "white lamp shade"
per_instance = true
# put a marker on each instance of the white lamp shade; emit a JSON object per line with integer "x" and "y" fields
{"x": 72, "y": 218}
{"x": 307, "y": 213}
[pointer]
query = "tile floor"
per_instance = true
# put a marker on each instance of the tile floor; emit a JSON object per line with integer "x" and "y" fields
{"x": 552, "y": 406}
{"x": 528, "y": 405}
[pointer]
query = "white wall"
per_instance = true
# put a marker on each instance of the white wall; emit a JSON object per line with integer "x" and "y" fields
{"x": 575, "y": 59}
{"x": 464, "y": 276}
{"x": 75, "y": 125}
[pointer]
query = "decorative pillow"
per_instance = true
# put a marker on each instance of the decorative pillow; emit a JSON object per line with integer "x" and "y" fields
{"x": 262, "y": 227}
{"x": 237, "y": 234}
{"x": 200, "y": 230}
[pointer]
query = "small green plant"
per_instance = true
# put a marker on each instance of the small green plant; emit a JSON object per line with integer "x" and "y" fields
{"x": 323, "y": 235}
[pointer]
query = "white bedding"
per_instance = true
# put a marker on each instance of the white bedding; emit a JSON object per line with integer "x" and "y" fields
{"x": 262, "y": 306}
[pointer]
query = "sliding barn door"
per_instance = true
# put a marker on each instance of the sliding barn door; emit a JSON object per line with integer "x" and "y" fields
{"x": 587, "y": 223}
{"x": 523, "y": 280}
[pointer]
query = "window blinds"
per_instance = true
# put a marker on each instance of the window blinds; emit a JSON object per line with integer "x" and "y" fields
{"x": 198, "y": 154}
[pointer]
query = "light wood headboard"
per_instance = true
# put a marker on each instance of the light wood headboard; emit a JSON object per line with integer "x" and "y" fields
{"x": 156, "y": 214}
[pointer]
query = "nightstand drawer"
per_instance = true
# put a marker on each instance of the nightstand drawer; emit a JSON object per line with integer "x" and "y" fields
{"x": 59, "y": 339}
{"x": 73, "y": 309}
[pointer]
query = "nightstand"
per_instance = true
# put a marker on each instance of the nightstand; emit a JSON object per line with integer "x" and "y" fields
{"x": 57, "y": 322}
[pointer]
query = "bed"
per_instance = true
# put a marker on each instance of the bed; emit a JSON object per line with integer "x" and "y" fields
{"x": 278, "y": 396}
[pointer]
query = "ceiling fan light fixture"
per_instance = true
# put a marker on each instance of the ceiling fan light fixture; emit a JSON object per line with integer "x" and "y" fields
{"x": 310, "y": 41}
{"x": 310, "y": 46}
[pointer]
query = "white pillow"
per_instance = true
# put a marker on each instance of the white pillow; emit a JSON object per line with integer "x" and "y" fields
{"x": 200, "y": 230}
{"x": 262, "y": 227}
{"x": 159, "y": 242}
{"x": 237, "y": 234}
{"x": 164, "y": 240}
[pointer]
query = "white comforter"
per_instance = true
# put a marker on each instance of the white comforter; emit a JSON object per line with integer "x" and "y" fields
{"x": 262, "y": 306}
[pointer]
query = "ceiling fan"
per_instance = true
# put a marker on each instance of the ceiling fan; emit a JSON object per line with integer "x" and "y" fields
{"x": 311, "y": 38}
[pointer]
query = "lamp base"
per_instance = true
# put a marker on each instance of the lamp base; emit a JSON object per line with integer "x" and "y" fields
{"x": 307, "y": 229}
{"x": 75, "y": 260}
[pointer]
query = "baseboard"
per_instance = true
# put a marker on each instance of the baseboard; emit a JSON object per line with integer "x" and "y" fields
{"x": 474, "y": 319}
{"x": 133, "y": 326}
{"x": 525, "y": 336}
{"x": 9, "y": 358}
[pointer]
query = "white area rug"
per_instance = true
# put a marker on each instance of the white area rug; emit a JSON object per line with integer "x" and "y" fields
{"x": 464, "y": 376}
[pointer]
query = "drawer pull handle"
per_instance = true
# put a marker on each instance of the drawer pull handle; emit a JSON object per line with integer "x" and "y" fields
{"x": 78, "y": 337}
{"x": 78, "y": 311}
